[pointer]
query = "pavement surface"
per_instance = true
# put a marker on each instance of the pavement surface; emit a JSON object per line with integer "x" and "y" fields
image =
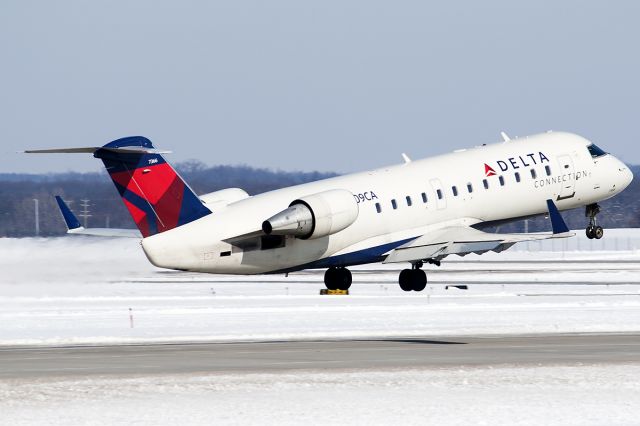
{"x": 245, "y": 357}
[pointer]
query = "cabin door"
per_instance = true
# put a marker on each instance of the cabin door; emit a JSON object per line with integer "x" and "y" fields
{"x": 567, "y": 178}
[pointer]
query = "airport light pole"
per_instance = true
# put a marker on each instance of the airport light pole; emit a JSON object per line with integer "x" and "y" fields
{"x": 85, "y": 211}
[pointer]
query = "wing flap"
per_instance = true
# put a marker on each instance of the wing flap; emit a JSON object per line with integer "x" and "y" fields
{"x": 462, "y": 240}
{"x": 474, "y": 241}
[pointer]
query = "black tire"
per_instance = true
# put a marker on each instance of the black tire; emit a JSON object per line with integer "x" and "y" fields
{"x": 598, "y": 232}
{"x": 330, "y": 280}
{"x": 405, "y": 280}
{"x": 590, "y": 232}
{"x": 344, "y": 278}
{"x": 418, "y": 280}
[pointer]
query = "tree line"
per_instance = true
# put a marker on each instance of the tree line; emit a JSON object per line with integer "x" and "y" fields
{"x": 105, "y": 209}
{"x": 18, "y": 192}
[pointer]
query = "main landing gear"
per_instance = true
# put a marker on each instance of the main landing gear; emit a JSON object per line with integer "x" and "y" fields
{"x": 593, "y": 229}
{"x": 337, "y": 278}
{"x": 413, "y": 279}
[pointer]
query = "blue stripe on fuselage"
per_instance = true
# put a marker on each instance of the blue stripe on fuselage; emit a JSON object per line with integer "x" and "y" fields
{"x": 360, "y": 257}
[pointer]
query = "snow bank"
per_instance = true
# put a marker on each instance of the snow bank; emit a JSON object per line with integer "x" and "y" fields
{"x": 555, "y": 395}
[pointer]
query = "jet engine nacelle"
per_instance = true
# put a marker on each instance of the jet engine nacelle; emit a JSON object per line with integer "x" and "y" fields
{"x": 223, "y": 197}
{"x": 315, "y": 216}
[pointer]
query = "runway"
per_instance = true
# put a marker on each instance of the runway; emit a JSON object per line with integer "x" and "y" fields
{"x": 244, "y": 357}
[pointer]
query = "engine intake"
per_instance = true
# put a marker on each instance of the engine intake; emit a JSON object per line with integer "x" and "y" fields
{"x": 315, "y": 216}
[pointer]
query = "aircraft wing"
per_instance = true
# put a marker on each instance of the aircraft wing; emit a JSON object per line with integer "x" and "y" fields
{"x": 106, "y": 232}
{"x": 462, "y": 240}
{"x": 74, "y": 226}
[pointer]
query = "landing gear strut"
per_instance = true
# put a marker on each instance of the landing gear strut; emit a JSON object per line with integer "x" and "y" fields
{"x": 337, "y": 278}
{"x": 593, "y": 229}
{"x": 413, "y": 279}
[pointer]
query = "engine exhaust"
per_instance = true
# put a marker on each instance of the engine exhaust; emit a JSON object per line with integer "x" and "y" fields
{"x": 296, "y": 220}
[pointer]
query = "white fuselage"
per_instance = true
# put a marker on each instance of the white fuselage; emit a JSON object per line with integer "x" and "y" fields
{"x": 552, "y": 165}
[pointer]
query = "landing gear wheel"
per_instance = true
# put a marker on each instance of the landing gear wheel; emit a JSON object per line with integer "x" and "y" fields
{"x": 598, "y": 232}
{"x": 590, "y": 232}
{"x": 337, "y": 278}
{"x": 330, "y": 280}
{"x": 419, "y": 280}
{"x": 405, "y": 279}
{"x": 412, "y": 279}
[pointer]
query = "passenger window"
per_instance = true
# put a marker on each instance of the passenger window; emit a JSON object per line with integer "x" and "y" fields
{"x": 394, "y": 204}
{"x": 424, "y": 197}
{"x": 469, "y": 188}
{"x": 517, "y": 174}
{"x": 501, "y": 179}
{"x": 485, "y": 183}
{"x": 548, "y": 170}
{"x": 455, "y": 191}
{"x": 378, "y": 208}
{"x": 439, "y": 192}
{"x": 533, "y": 174}
{"x": 408, "y": 201}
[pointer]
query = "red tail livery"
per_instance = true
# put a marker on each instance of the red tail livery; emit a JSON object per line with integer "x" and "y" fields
{"x": 155, "y": 195}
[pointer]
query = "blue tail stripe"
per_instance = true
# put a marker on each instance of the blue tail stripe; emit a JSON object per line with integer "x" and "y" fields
{"x": 142, "y": 204}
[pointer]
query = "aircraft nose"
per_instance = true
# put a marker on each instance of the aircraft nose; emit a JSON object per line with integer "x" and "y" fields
{"x": 626, "y": 174}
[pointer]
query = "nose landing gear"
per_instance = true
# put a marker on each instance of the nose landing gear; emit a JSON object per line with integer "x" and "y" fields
{"x": 413, "y": 279}
{"x": 593, "y": 229}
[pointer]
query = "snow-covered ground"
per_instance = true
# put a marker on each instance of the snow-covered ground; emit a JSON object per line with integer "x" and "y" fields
{"x": 80, "y": 290}
{"x": 554, "y": 395}
{"x": 83, "y": 290}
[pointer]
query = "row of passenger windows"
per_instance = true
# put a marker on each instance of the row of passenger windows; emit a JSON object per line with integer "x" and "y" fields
{"x": 455, "y": 192}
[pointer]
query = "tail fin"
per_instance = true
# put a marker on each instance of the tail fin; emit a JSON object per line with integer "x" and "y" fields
{"x": 69, "y": 218}
{"x": 157, "y": 198}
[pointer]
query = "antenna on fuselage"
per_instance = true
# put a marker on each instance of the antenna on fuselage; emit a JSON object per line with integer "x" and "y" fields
{"x": 406, "y": 158}
{"x": 505, "y": 137}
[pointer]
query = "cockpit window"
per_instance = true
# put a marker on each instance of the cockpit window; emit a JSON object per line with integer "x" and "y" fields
{"x": 595, "y": 151}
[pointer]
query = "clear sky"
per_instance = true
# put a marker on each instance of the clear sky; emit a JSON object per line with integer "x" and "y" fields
{"x": 300, "y": 85}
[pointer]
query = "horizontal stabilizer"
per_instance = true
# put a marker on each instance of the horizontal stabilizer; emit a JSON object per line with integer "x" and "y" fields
{"x": 92, "y": 149}
{"x": 84, "y": 150}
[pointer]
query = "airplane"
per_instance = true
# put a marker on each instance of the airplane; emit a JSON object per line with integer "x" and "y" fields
{"x": 413, "y": 213}
{"x": 74, "y": 226}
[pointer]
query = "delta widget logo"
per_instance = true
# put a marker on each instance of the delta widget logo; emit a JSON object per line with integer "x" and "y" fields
{"x": 488, "y": 171}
